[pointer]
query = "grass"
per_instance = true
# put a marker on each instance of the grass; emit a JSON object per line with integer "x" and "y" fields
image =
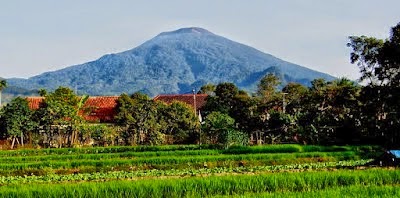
{"x": 103, "y": 176}
{"x": 310, "y": 183}
{"x": 386, "y": 191}
{"x": 283, "y": 148}
{"x": 189, "y": 171}
{"x": 60, "y": 164}
{"x": 132, "y": 158}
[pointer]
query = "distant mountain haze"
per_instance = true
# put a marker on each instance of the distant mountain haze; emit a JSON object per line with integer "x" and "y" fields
{"x": 173, "y": 62}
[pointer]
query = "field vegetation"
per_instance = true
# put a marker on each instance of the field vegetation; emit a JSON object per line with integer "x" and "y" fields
{"x": 188, "y": 171}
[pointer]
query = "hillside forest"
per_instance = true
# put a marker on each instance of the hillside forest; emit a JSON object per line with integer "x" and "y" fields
{"x": 326, "y": 113}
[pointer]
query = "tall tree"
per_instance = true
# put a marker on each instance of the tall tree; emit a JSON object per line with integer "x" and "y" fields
{"x": 224, "y": 99}
{"x": 207, "y": 89}
{"x": 179, "y": 122}
{"x": 59, "y": 114}
{"x": 139, "y": 117}
{"x": 215, "y": 124}
{"x": 365, "y": 54}
{"x": 16, "y": 120}
{"x": 268, "y": 87}
{"x": 379, "y": 62}
{"x": 295, "y": 93}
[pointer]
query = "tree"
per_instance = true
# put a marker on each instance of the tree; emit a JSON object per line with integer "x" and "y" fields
{"x": 329, "y": 112}
{"x": 379, "y": 63}
{"x": 278, "y": 127}
{"x": 215, "y": 124}
{"x": 228, "y": 99}
{"x": 139, "y": 117}
{"x": 295, "y": 93}
{"x": 179, "y": 122}
{"x": 97, "y": 134}
{"x": 16, "y": 120}
{"x": 377, "y": 59}
{"x": 3, "y": 84}
{"x": 207, "y": 89}
{"x": 365, "y": 54}
{"x": 59, "y": 115}
{"x": 224, "y": 99}
{"x": 267, "y": 99}
{"x": 220, "y": 128}
{"x": 267, "y": 87}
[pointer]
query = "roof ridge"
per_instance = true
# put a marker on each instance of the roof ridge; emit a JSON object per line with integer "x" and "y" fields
{"x": 180, "y": 95}
{"x": 103, "y": 96}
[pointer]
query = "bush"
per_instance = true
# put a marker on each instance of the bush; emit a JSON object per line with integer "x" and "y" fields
{"x": 233, "y": 137}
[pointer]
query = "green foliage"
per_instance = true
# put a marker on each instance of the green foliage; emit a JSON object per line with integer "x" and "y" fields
{"x": 365, "y": 55}
{"x": 182, "y": 157}
{"x": 382, "y": 191}
{"x": 279, "y": 127}
{"x": 268, "y": 86}
{"x": 303, "y": 182}
{"x": 179, "y": 122}
{"x": 378, "y": 61}
{"x": 16, "y": 119}
{"x": 3, "y": 84}
{"x": 176, "y": 149}
{"x": 232, "y": 137}
{"x": 329, "y": 113}
{"x": 61, "y": 106}
{"x": 295, "y": 93}
{"x": 59, "y": 115}
{"x": 100, "y": 134}
{"x": 228, "y": 99}
{"x": 104, "y": 176}
{"x": 139, "y": 117}
{"x": 216, "y": 126}
{"x": 208, "y": 89}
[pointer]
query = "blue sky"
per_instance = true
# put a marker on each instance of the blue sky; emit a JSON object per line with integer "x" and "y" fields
{"x": 46, "y": 35}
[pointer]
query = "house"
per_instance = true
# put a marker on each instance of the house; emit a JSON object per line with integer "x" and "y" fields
{"x": 388, "y": 158}
{"x": 102, "y": 108}
{"x": 197, "y": 101}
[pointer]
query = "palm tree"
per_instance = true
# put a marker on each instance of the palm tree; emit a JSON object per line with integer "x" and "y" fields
{"x": 3, "y": 84}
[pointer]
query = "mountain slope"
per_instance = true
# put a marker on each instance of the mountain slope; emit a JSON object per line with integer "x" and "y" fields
{"x": 173, "y": 62}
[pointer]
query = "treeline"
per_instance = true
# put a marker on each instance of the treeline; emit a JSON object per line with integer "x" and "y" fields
{"x": 335, "y": 112}
{"x": 60, "y": 122}
{"x": 325, "y": 113}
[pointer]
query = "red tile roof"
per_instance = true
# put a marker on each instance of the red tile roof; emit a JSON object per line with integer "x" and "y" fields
{"x": 186, "y": 98}
{"x": 34, "y": 102}
{"x": 102, "y": 108}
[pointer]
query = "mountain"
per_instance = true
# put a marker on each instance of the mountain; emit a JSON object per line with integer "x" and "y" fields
{"x": 10, "y": 92}
{"x": 173, "y": 62}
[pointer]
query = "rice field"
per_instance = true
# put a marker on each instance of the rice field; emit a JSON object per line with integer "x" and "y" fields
{"x": 196, "y": 171}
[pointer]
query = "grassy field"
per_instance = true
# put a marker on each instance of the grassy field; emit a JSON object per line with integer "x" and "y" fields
{"x": 195, "y": 171}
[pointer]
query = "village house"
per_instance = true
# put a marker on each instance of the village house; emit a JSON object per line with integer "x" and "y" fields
{"x": 388, "y": 158}
{"x": 197, "y": 101}
{"x": 103, "y": 108}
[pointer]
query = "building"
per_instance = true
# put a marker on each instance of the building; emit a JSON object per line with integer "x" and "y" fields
{"x": 388, "y": 158}
{"x": 197, "y": 101}
{"x": 102, "y": 108}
